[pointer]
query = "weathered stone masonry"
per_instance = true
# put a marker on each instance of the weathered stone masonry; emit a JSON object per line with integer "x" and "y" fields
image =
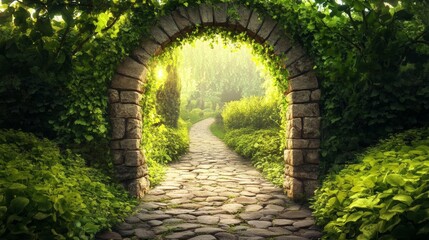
{"x": 303, "y": 116}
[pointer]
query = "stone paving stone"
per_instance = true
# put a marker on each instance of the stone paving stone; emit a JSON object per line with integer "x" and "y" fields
{"x": 282, "y": 222}
{"x": 232, "y": 207}
{"x": 208, "y": 230}
{"x": 180, "y": 235}
{"x": 203, "y": 237}
{"x": 144, "y": 233}
{"x": 260, "y": 224}
{"x": 208, "y": 219}
{"x": 225, "y": 236}
{"x": 212, "y": 193}
{"x": 304, "y": 223}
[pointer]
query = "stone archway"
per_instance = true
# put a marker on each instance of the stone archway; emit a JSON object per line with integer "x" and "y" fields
{"x": 303, "y": 116}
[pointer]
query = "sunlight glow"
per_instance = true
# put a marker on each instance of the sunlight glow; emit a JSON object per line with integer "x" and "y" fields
{"x": 160, "y": 73}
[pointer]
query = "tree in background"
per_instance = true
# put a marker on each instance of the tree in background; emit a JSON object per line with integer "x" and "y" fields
{"x": 168, "y": 98}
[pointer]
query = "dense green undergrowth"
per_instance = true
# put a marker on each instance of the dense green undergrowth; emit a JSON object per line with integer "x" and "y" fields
{"x": 262, "y": 147}
{"x": 251, "y": 128}
{"x": 49, "y": 194}
{"x": 164, "y": 145}
{"x": 383, "y": 196}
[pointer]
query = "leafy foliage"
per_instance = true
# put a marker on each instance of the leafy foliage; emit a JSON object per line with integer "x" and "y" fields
{"x": 372, "y": 61}
{"x": 262, "y": 147}
{"x": 250, "y": 127}
{"x": 383, "y": 196}
{"x": 162, "y": 143}
{"x": 252, "y": 112}
{"x": 46, "y": 194}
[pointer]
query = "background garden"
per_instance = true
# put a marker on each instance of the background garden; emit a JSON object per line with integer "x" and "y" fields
{"x": 57, "y": 59}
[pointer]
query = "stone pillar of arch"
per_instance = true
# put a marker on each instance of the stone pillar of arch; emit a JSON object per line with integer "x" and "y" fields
{"x": 303, "y": 116}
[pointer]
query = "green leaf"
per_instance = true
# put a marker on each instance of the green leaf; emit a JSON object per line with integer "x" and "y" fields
{"x": 41, "y": 216}
{"x": 354, "y": 216}
{"x": 17, "y": 186}
{"x": 18, "y": 204}
{"x": 395, "y": 180}
{"x": 403, "y": 198}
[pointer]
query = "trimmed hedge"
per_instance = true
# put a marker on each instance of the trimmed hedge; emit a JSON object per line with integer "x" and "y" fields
{"x": 48, "y": 194}
{"x": 384, "y": 196}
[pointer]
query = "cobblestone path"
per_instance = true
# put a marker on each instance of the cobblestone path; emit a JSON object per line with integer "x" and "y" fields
{"x": 212, "y": 193}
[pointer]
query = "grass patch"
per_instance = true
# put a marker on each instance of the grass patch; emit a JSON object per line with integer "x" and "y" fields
{"x": 218, "y": 129}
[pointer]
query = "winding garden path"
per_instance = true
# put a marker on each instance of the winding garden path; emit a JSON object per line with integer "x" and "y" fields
{"x": 212, "y": 193}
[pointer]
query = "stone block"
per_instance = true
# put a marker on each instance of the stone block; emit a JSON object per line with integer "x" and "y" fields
{"x": 129, "y": 67}
{"x": 117, "y": 157}
{"x": 294, "y": 128}
{"x": 134, "y": 158}
{"x": 303, "y": 143}
{"x": 124, "y": 173}
{"x": 206, "y": 12}
{"x": 131, "y": 97}
{"x": 304, "y": 82}
{"x": 134, "y": 129}
{"x": 312, "y": 156}
{"x": 267, "y": 27}
{"x": 309, "y": 187}
{"x": 138, "y": 187}
{"x": 125, "y": 83}
{"x": 298, "y": 97}
{"x": 294, "y": 157}
{"x": 282, "y": 45}
{"x": 194, "y": 15}
{"x": 300, "y": 67}
{"x": 296, "y": 189}
{"x": 220, "y": 14}
{"x": 141, "y": 56}
{"x": 295, "y": 53}
{"x": 160, "y": 36}
{"x": 255, "y": 23}
{"x": 315, "y": 95}
{"x": 299, "y": 110}
{"x": 113, "y": 96}
{"x": 274, "y": 36}
{"x": 127, "y": 110}
{"x": 130, "y": 144}
{"x": 169, "y": 26}
{"x": 307, "y": 171}
{"x": 182, "y": 22}
{"x": 311, "y": 127}
{"x": 118, "y": 128}
{"x": 115, "y": 144}
{"x": 151, "y": 47}
{"x": 243, "y": 18}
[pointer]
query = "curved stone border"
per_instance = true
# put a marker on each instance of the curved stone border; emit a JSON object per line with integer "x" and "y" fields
{"x": 303, "y": 116}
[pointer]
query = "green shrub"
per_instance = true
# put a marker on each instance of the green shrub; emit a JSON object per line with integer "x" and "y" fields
{"x": 254, "y": 112}
{"x": 264, "y": 149}
{"x": 162, "y": 145}
{"x": 384, "y": 196}
{"x": 47, "y": 194}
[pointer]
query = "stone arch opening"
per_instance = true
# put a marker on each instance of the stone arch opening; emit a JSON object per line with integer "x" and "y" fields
{"x": 302, "y": 117}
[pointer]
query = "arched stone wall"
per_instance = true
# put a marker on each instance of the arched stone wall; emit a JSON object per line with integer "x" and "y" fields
{"x": 303, "y": 117}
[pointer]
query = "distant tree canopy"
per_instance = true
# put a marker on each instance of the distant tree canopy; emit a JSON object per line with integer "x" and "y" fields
{"x": 217, "y": 72}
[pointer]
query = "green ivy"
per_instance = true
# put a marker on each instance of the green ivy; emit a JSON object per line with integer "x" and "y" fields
{"x": 48, "y": 194}
{"x": 383, "y": 196}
